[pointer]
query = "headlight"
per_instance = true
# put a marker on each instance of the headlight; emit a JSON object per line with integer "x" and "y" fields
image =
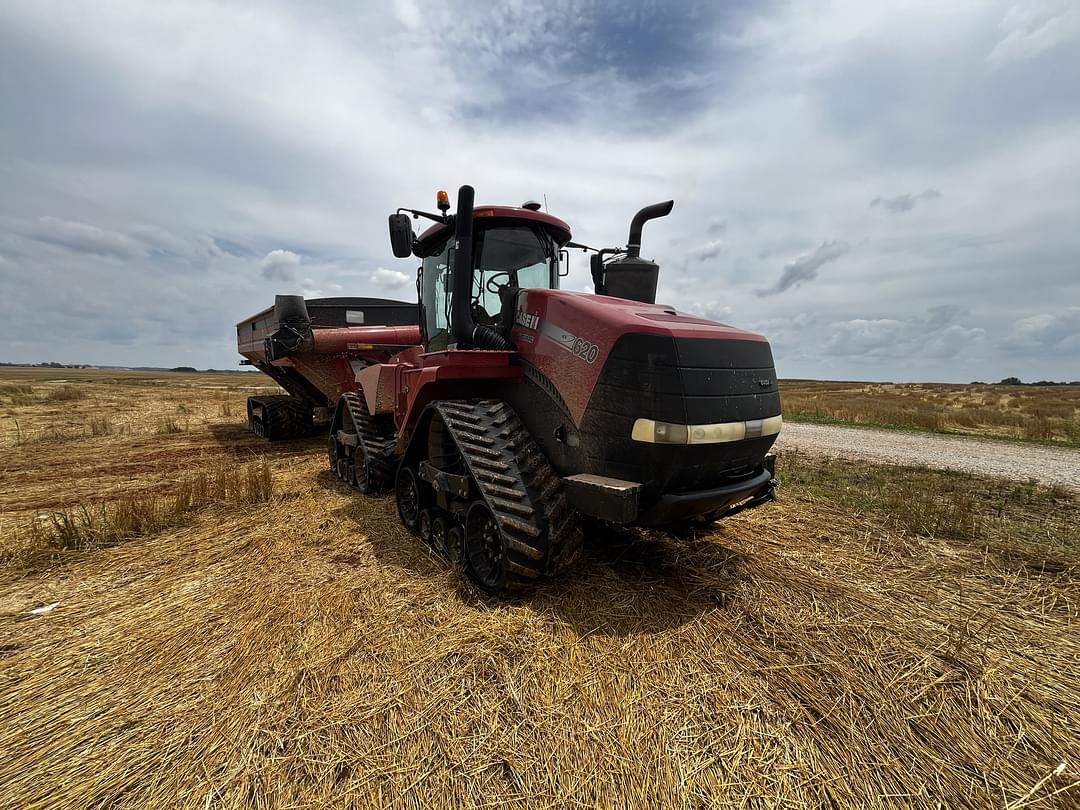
{"x": 654, "y": 432}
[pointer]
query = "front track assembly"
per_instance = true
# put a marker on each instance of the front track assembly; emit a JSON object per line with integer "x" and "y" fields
{"x": 477, "y": 489}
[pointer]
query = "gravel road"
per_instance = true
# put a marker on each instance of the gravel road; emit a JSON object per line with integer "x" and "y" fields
{"x": 1049, "y": 465}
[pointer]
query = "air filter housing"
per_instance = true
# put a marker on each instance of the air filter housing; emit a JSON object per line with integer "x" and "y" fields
{"x": 632, "y": 277}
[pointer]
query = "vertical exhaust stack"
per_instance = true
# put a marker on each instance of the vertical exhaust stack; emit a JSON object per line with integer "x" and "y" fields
{"x": 631, "y": 276}
{"x": 464, "y": 328}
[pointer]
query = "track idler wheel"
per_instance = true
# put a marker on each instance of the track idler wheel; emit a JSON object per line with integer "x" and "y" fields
{"x": 409, "y": 503}
{"x": 484, "y": 553}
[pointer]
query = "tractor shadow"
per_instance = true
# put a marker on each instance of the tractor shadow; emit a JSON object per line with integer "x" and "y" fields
{"x": 627, "y": 581}
{"x": 242, "y": 444}
{"x": 636, "y": 582}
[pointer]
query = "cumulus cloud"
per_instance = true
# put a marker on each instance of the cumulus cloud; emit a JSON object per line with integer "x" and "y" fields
{"x": 862, "y": 336}
{"x": 904, "y": 202}
{"x": 805, "y": 267}
{"x": 280, "y": 265}
{"x": 951, "y": 340}
{"x": 1045, "y": 333}
{"x": 389, "y": 279}
{"x": 407, "y": 13}
{"x": 934, "y": 335}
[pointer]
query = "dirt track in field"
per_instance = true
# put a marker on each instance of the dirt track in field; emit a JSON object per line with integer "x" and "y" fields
{"x": 1020, "y": 462}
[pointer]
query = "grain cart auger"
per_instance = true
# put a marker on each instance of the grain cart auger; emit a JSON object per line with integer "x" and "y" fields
{"x": 313, "y": 349}
{"x": 525, "y": 406}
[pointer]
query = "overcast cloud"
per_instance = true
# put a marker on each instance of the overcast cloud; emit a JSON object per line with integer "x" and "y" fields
{"x": 887, "y": 193}
{"x": 904, "y": 202}
{"x": 805, "y": 268}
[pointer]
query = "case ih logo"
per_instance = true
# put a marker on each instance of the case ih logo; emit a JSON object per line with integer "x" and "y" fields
{"x": 526, "y": 319}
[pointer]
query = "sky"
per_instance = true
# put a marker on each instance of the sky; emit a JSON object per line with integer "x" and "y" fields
{"x": 887, "y": 191}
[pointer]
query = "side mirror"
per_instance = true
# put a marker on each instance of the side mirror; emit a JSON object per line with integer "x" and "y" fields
{"x": 564, "y": 263}
{"x": 401, "y": 235}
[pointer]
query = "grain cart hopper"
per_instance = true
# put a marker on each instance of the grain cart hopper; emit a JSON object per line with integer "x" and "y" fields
{"x": 313, "y": 350}
{"x": 527, "y": 407}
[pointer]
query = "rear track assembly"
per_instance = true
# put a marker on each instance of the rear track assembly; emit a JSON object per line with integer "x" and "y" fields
{"x": 361, "y": 446}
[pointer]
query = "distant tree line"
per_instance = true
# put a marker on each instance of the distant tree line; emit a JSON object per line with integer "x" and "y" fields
{"x": 1018, "y": 381}
{"x": 185, "y": 369}
{"x": 48, "y": 365}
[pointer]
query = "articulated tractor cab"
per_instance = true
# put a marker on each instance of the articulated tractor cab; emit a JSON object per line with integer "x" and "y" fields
{"x": 527, "y": 407}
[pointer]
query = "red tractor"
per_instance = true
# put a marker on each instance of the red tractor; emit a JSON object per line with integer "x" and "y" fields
{"x": 527, "y": 407}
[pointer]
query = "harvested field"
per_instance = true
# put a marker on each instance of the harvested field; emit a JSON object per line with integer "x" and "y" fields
{"x": 1049, "y": 413}
{"x": 882, "y": 637}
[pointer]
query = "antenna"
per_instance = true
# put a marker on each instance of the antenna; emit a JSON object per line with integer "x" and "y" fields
{"x": 545, "y": 202}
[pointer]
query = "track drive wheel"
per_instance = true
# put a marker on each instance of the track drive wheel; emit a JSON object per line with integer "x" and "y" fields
{"x": 484, "y": 551}
{"x": 407, "y": 490}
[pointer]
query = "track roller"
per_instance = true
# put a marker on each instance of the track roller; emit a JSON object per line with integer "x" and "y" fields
{"x": 427, "y": 518}
{"x": 454, "y": 550}
{"x": 440, "y": 527}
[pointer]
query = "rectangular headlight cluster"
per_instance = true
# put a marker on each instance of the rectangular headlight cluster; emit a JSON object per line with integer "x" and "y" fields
{"x": 654, "y": 432}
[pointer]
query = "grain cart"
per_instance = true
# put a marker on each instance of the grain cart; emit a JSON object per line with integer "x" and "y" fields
{"x": 313, "y": 350}
{"x": 525, "y": 408}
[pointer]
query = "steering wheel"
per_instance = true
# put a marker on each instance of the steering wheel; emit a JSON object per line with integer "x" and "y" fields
{"x": 492, "y": 284}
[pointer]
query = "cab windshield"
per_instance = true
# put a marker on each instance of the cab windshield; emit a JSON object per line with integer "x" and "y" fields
{"x": 518, "y": 256}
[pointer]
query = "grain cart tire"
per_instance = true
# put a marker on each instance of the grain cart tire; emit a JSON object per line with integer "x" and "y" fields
{"x": 280, "y": 417}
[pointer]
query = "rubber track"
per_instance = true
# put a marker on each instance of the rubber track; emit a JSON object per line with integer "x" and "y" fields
{"x": 377, "y": 438}
{"x": 518, "y": 484}
{"x": 285, "y": 417}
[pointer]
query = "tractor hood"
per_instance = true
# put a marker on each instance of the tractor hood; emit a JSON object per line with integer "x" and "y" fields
{"x": 640, "y": 382}
{"x": 570, "y": 336}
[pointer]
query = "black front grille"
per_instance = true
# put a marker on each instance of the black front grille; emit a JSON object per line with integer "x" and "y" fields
{"x": 684, "y": 381}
